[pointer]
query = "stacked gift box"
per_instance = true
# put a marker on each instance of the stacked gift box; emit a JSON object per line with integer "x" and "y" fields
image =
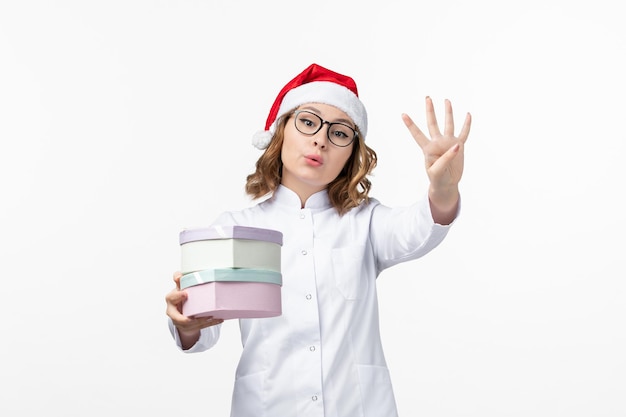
{"x": 231, "y": 272}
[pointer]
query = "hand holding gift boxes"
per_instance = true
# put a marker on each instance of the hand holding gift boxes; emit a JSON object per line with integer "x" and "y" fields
{"x": 231, "y": 272}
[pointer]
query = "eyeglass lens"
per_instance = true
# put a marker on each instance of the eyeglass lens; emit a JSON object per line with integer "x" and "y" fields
{"x": 310, "y": 123}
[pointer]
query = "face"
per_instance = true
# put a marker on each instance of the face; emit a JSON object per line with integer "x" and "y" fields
{"x": 311, "y": 162}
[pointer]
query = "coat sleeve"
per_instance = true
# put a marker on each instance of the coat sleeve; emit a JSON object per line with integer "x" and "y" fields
{"x": 208, "y": 338}
{"x": 403, "y": 234}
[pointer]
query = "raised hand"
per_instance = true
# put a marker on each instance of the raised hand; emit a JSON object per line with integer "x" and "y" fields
{"x": 444, "y": 158}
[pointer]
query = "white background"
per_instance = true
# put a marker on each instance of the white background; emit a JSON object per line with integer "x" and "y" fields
{"x": 123, "y": 122}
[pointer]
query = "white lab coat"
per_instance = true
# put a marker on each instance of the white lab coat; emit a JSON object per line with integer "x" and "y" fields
{"x": 323, "y": 356}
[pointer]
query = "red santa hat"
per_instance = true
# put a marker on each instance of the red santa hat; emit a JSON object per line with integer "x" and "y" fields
{"x": 315, "y": 84}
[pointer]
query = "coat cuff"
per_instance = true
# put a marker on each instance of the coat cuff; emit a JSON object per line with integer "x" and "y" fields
{"x": 208, "y": 338}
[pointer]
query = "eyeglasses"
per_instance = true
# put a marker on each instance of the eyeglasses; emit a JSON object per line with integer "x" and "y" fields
{"x": 339, "y": 134}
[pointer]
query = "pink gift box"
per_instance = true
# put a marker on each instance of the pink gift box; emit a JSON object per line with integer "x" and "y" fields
{"x": 230, "y": 300}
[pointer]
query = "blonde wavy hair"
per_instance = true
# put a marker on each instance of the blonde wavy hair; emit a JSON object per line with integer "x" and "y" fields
{"x": 348, "y": 190}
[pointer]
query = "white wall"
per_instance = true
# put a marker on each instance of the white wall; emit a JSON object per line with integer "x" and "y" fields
{"x": 122, "y": 122}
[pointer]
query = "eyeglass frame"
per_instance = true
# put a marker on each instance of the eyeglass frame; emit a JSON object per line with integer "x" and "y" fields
{"x": 295, "y": 123}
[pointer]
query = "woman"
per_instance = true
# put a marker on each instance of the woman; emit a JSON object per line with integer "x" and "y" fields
{"x": 323, "y": 356}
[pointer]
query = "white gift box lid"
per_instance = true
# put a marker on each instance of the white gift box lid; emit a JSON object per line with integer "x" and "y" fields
{"x": 231, "y": 232}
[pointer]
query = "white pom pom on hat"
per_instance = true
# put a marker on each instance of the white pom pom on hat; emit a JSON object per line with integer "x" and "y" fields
{"x": 262, "y": 139}
{"x": 315, "y": 84}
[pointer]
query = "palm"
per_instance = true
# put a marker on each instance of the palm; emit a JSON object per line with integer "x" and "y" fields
{"x": 443, "y": 159}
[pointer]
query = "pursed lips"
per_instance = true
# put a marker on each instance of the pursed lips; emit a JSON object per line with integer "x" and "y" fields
{"x": 315, "y": 158}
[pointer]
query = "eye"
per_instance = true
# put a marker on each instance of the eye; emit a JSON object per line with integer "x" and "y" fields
{"x": 340, "y": 134}
{"x": 307, "y": 122}
{"x": 341, "y": 131}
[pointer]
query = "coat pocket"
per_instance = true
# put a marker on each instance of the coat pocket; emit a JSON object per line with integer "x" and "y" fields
{"x": 348, "y": 271}
{"x": 377, "y": 392}
{"x": 248, "y": 395}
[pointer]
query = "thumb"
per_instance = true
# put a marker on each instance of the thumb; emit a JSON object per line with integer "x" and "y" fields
{"x": 177, "y": 276}
{"x": 175, "y": 297}
{"x": 446, "y": 158}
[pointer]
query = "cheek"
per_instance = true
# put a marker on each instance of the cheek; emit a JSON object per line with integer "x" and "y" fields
{"x": 285, "y": 150}
{"x": 342, "y": 162}
{"x": 346, "y": 157}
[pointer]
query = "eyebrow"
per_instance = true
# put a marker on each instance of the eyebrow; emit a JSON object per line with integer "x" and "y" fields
{"x": 315, "y": 110}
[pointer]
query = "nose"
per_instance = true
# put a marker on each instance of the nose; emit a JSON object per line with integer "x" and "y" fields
{"x": 321, "y": 137}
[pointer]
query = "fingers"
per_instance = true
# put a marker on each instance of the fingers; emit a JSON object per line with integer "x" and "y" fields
{"x": 176, "y": 297}
{"x": 417, "y": 134}
{"x": 190, "y": 325}
{"x": 448, "y": 129}
{"x": 210, "y": 321}
{"x": 174, "y": 300}
{"x": 464, "y": 134}
{"x": 433, "y": 126}
{"x": 431, "y": 119}
{"x": 174, "y": 313}
{"x": 177, "y": 276}
{"x": 445, "y": 159}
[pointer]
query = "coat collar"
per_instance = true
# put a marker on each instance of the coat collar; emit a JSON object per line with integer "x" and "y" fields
{"x": 287, "y": 197}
